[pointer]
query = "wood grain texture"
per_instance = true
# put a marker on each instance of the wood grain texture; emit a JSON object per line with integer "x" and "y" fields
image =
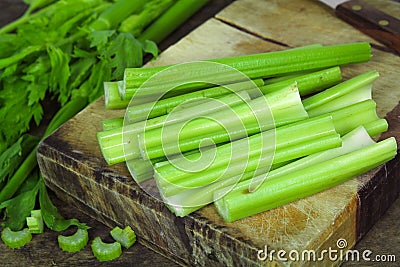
{"x": 73, "y": 167}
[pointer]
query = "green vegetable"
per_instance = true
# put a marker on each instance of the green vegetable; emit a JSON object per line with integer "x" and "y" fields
{"x": 307, "y": 83}
{"x": 126, "y": 236}
{"x": 305, "y": 182}
{"x": 263, "y": 113}
{"x": 341, "y": 95}
{"x": 258, "y": 151}
{"x": 114, "y": 143}
{"x": 75, "y": 242}
{"x": 35, "y": 222}
{"x": 150, "y": 110}
{"x": 105, "y": 251}
{"x": 171, "y": 19}
{"x": 112, "y": 124}
{"x": 254, "y": 66}
{"x": 16, "y": 239}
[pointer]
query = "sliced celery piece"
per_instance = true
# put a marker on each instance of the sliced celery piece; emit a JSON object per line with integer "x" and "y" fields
{"x": 105, "y": 251}
{"x": 75, "y": 242}
{"x": 35, "y": 222}
{"x": 273, "y": 110}
{"x": 16, "y": 239}
{"x": 305, "y": 181}
{"x": 126, "y": 236}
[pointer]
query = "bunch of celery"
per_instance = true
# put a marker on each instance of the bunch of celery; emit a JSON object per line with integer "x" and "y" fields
{"x": 65, "y": 50}
{"x": 287, "y": 128}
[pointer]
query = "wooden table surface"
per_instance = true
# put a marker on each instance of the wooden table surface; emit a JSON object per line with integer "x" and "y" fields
{"x": 43, "y": 250}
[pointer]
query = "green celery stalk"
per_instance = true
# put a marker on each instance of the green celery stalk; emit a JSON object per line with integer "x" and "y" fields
{"x": 305, "y": 182}
{"x": 258, "y": 151}
{"x": 344, "y": 94}
{"x": 171, "y": 19}
{"x": 105, "y": 251}
{"x": 120, "y": 10}
{"x": 35, "y": 222}
{"x": 263, "y": 113}
{"x": 75, "y": 242}
{"x": 136, "y": 23}
{"x": 112, "y": 100}
{"x": 111, "y": 124}
{"x": 263, "y": 65}
{"x": 16, "y": 239}
{"x": 135, "y": 113}
{"x": 307, "y": 83}
{"x": 120, "y": 144}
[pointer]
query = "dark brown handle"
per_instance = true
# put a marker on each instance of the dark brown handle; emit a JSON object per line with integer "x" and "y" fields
{"x": 377, "y": 24}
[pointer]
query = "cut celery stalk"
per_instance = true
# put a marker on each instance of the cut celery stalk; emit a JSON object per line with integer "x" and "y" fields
{"x": 145, "y": 111}
{"x": 348, "y": 118}
{"x": 75, "y": 242}
{"x": 35, "y": 222}
{"x": 267, "y": 64}
{"x": 251, "y": 148}
{"x": 16, "y": 239}
{"x": 305, "y": 182}
{"x": 126, "y": 236}
{"x": 115, "y": 142}
{"x": 291, "y": 152}
{"x": 307, "y": 83}
{"x": 112, "y": 124}
{"x": 273, "y": 110}
{"x": 344, "y": 94}
{"x": 105, "y": 251}
{"x": 112, "y": 99}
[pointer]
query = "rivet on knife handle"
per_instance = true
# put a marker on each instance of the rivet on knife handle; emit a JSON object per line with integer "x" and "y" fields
{"x": 377, "y": 24}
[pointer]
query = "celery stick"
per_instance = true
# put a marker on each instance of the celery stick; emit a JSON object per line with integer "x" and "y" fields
{"x": 135, "y": 113}
{"x": 113, "y": 143}
{"x": 284, "y": 154}
{"x": 265, "y": 65}
{"x": 137, "y": 22}
{"x": 111, "y": 124}
{"x": 16, "y": 239}
{"x": 333, "y": 98}
{"x": 348, "y": 118}
{"x": 171, "y": 19}
{"x": 307, "y": 83}
{"x": 260, "y": 114}
{"x": 305, "y": 182}
{"x": 112, "y": 97}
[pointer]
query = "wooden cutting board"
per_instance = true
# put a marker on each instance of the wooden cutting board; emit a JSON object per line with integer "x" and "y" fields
{"x": 73, "y": 167}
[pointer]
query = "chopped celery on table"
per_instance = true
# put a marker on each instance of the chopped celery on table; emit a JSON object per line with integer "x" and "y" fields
{"x": 105, "y": 251}
{"x": 126, "y": 236}
{"x": 294, "y": 135}
{"x": 16, "y": 239}
{"x": 75, "y": 242}
{"x": 304, "y": 182}
{"x": 35, "y": 222}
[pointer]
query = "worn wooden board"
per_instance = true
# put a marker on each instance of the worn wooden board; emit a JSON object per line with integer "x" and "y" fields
{"x": 72, "y": 165}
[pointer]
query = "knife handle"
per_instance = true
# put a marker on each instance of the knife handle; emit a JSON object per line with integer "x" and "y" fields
{"x": 373, "y": 22}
